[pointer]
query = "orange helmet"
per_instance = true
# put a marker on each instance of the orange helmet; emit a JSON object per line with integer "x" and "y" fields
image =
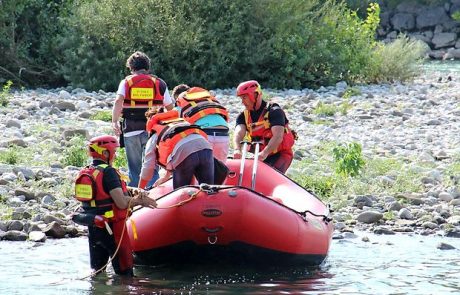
{"x": 249, "y": 88}
{"x": 97, "y": 146}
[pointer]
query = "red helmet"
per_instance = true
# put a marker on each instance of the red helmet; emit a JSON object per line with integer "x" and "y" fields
{"x": 249, "y": 88}
{"x": 97, "y": 145}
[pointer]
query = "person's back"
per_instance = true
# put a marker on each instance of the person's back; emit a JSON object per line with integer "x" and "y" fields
{"x": 198, "y": 106}
{"x": 136, "y": 94}
{"x": 181, "y": 148}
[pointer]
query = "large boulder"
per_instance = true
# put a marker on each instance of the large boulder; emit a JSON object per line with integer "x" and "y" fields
{"x": 431, "y": 16}
{"x": 403, "y": 21}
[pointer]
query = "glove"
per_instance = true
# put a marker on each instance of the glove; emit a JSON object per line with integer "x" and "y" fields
{"x": 100, "y": 221}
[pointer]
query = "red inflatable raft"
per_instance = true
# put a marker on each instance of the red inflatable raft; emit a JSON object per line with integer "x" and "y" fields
{"x": 276, "y": 222}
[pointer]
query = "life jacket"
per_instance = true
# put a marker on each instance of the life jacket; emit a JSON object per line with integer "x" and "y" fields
{"x": 198, "y": 103}
{"x": 90, "y": 191}
{"x": 170, "y": 129}
{"x": 142, "y": 91}
{"x": 261, "y": 130}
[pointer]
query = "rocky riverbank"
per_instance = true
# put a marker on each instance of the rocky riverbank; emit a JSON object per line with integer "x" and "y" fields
{"x": 416, "y": 123}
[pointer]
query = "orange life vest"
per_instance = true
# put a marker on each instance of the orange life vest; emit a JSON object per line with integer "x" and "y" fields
{"x": 170, "y": 129}
{"x": 198, "y": 103}
{"x": 90, "y": 191}
{"x": 261, "y": 130}
{"x": 142, "y": 91}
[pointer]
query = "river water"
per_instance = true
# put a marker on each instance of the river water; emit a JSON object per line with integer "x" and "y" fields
{"x": 398, "y": 264}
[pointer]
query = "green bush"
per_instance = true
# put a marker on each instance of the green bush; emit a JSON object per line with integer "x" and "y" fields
{"x": 120, "y": 160}
{"x": 215, "y": 44}
{"x": 11, "y": 155}
{"x": 325, "y": 109}
{"x": 105, "y": 116}
{"x": 5, "y": 95}
{"x": 75, "y": 154}
{"x": 29, "y": 49}
{"x": 399, "y": 60}
{"x": 348, "y": 159}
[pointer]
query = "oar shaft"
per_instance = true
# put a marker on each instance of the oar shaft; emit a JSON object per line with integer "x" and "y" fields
{"x": 254, "y": 167}
{"x": 243, "y": 159}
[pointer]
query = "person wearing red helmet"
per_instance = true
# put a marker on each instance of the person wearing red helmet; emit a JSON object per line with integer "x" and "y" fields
{"x": 135, "y": 95}
{"x": 105, "y": 200}
{"x": 265, "y": 123}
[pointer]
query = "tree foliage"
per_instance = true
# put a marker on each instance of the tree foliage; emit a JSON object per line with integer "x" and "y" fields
{"x": 215, "y": 44}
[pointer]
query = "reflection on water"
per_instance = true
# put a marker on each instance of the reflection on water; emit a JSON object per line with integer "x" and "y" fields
{"x": 401, "y": 264}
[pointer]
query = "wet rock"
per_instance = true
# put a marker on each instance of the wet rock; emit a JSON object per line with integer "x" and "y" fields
{"x": 15, "y": 225}
{"x": 37, "y": 236}
{"x": 33, "y": 227}
{"x": 383, "y": 231}
{"x": 365, "y": 239}
{"x": 361, "y": 201}
{"x": 54, "y": 230}
{"x": 430, "y": 225}
{"x": 445, "y": 246}
{"x": 369, "y": 217}
{"x": 453, "y": 233}
{"x": 3, "y": 225}
{"x": 50, "y": 219}
{"x": 71, "y": 230}
{"x": 15, "y": 235}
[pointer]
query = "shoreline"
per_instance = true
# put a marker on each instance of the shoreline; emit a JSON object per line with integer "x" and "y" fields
{"x": 414, "y": 125}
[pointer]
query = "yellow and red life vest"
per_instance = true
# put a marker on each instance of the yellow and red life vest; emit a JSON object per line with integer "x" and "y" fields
{"x": 90, "y": 191}
{"x": 198, "y": 103}
{"x": 170, "y": 129}
{"x": 261, "y": 130}
{"x": 142, "y": 91}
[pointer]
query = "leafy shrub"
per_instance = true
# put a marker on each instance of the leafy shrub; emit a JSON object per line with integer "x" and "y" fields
{"x": 120, "y": 160}
{"x": 348, "y": 159}
{"x": 5, "y": 94}
{"x": 399, "y": 60}
{"x": 216, "y": 44}
{"x": 10, "y": 155}
{"x": 105, "y": 116}
{"x": 75, "y": 154}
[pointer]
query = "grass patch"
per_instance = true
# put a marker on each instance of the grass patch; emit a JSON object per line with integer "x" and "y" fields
{"x": 11, "y": 155}
{"x": 325, "y": 109}
{"x": 351, "y": 91}
{"x": 5, "y": 95}
{"x": 103, "y": 115}
{"x": 75, "y": 154}
{"x": 320, "y": 176}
